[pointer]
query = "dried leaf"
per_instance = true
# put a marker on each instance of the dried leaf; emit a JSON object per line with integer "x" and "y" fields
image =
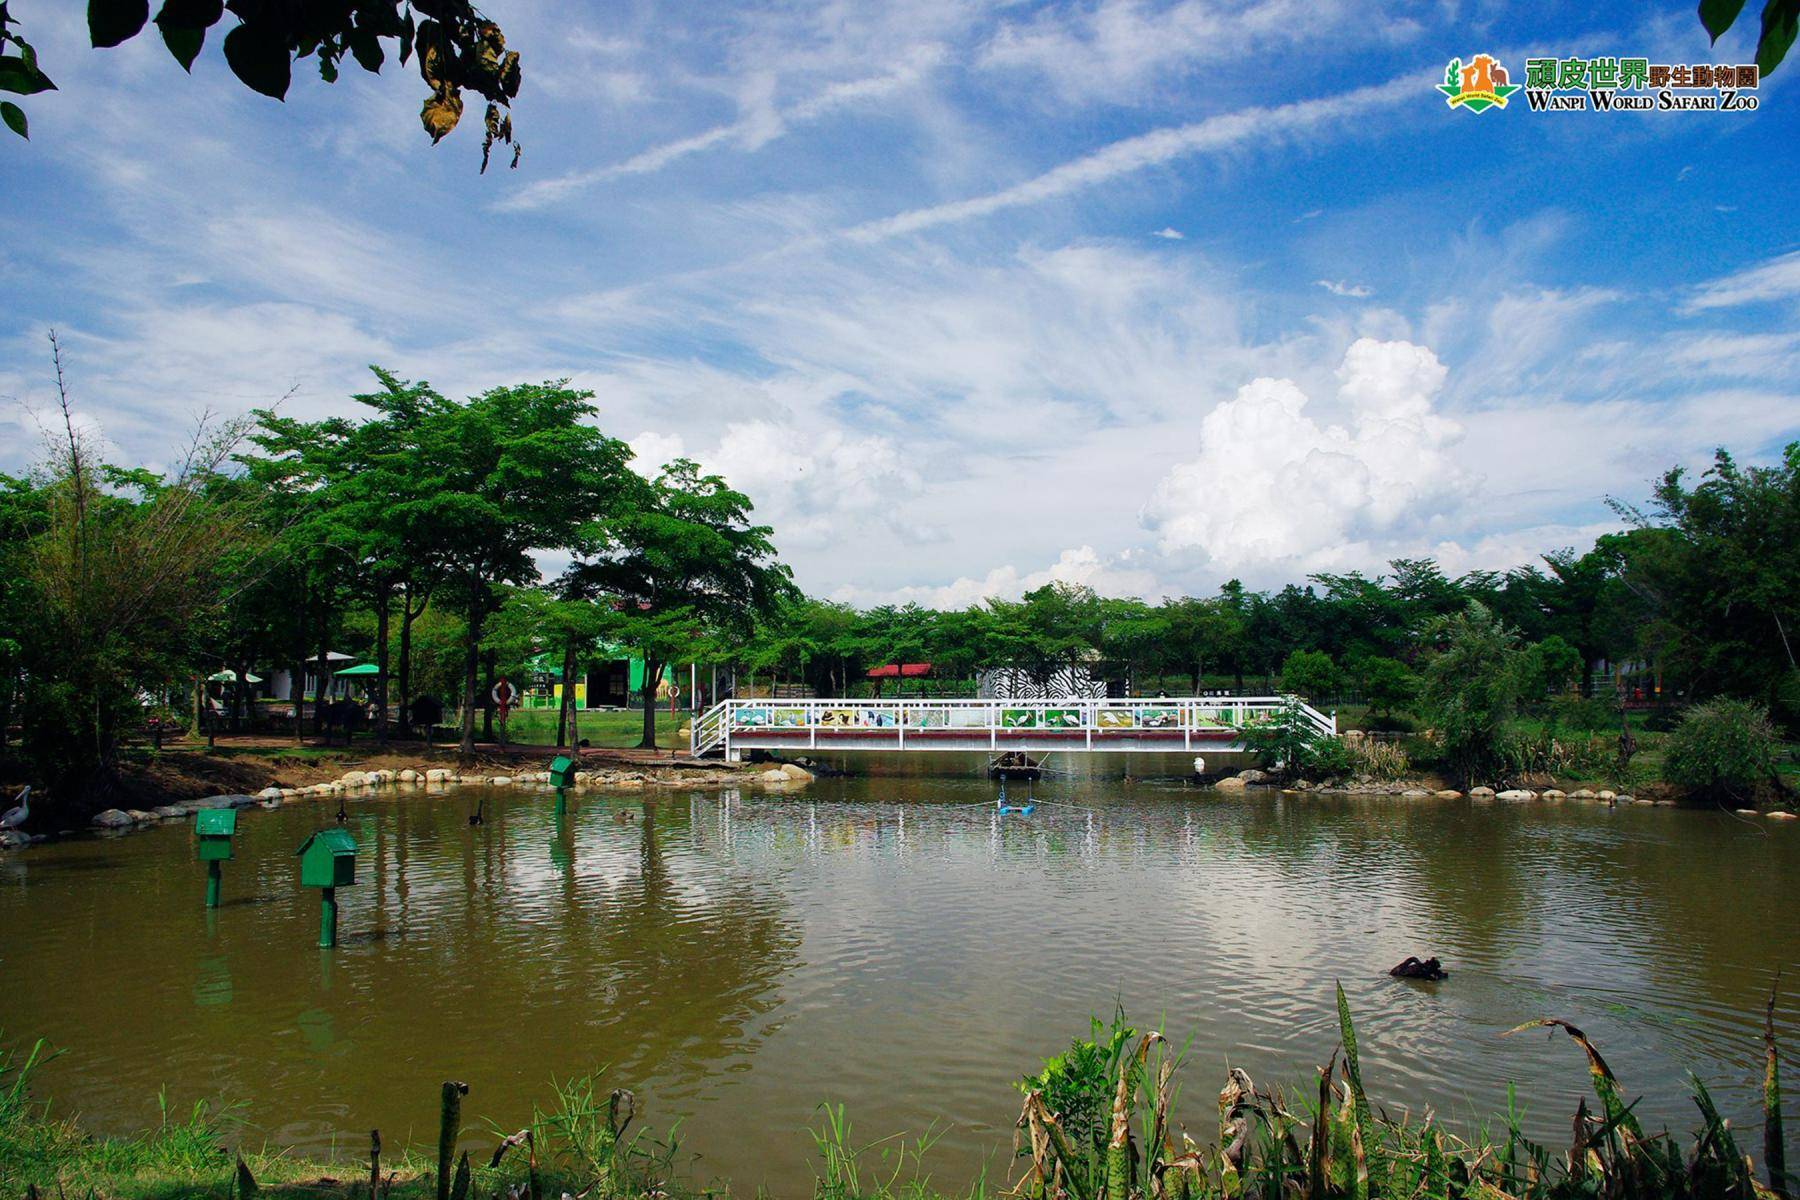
{"x": 443, "y": 109}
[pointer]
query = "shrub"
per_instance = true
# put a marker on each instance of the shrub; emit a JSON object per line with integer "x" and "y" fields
{"x": 1078, "y": 1086}
{"x": 1723, "y": 748}
{"x": 1386, "y": 684}
{"x": 1309, "y": 673}
{"x": 1389, "y": 723}
{"x": 1289, "y": 743}
{"x": 1549, "y": 666}
{"x": 1471, "y": 690}
{"x": 1583, "y": 716}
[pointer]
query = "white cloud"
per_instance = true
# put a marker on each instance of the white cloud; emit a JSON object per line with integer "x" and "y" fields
{"x": 1777, "y": 279}
{"x": 1119, "y": 50}
{"x": 817, "y": 486}
{"x": 1262, "y": 127}
{"x": 1271, "y": 484}
{"x": 1082, "y": 566}
{"x": 760, "y": 122}
{"x": 1353, "y": 291}
{"x": 652, "y": 451}
{"x": 1169, "y": 233}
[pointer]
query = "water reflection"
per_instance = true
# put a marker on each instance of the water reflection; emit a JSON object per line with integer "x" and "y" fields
{"x": 894, "y": 943}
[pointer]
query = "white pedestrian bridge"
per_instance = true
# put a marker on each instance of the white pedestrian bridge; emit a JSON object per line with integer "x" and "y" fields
{"x": 1139, "y": 725}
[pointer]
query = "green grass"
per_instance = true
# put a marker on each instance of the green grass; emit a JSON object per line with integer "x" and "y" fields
{"x": 615, "y": 729}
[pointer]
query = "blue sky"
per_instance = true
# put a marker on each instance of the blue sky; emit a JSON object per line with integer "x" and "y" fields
{"x": 967, "y": 297}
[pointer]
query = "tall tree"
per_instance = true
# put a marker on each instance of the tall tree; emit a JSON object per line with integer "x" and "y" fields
{"x": 682, "y": 560}
{"x": 520, "y": 470}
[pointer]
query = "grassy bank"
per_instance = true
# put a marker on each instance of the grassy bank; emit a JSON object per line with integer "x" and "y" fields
{"x": 1097, "y": 1123}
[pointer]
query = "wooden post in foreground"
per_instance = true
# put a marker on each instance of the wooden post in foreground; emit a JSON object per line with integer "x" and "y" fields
{"x": 449, "y": 1125}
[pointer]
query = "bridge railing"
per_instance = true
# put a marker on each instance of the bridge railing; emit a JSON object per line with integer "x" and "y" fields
{"x": 1205, "y": 715}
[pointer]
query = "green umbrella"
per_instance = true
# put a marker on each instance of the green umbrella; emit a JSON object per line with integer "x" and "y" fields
{"x": 360, "y": 669}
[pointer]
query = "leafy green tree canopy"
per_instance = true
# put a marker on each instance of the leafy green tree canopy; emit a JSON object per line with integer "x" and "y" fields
{"x": 681, "y": 560}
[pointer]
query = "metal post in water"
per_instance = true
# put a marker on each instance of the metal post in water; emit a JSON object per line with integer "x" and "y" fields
{"x": 213, "y": 877}
{"x": 327, "y": 918}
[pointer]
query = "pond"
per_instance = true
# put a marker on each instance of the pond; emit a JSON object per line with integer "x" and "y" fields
{"x": 888, "y": 942}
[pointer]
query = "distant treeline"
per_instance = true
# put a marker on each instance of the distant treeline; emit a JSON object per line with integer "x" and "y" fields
{"x": 410, "y": 535}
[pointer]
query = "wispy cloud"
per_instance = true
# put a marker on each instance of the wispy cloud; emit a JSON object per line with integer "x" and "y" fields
{"x": 1353, "y": 291}
{"x": 1260, "y": 125}
{"x": 760, "y": 124}
{"x": 1169, "y": 233}
{"x": 1777, "y": 279}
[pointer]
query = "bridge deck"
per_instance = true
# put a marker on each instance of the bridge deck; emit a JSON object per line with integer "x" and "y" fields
{"x": 1160, "y": 725}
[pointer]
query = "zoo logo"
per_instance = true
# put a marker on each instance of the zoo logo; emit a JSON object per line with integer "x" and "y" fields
{"x": 1479, "y": 86}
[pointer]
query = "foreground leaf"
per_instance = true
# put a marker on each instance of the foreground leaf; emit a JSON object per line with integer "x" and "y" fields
{"x": 21, "y": 77}
{"x": 113, "y": 21}
{"x": 14, "y": 116}
{"x": 1774, "y": 1146}
{"x": 1780, "y": 21}
{"x": 183, "y": 43}
{"x": 1606, "y": 1084}
{"x": 1717, "y": 15}
{"x": 259, "y": 57}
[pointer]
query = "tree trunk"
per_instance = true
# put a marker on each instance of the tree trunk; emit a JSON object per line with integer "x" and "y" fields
{"x": 381, "y": 666}
{"x": 652, "y": 673}
{"x": 324, "y": 668}
{"x": 297, "y": 672}
{"x": 406, "y": 622}
{"x": 565, "y": 723}
{"x": 471, "y": 662}
{"x": 487, "y": 696}
{"x": 240, "y": 717}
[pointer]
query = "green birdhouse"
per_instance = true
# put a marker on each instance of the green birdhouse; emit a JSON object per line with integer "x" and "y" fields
{"x": 328, "y": 859}
{"x": 215, "y": 828}
{"x": 562, "y": 771}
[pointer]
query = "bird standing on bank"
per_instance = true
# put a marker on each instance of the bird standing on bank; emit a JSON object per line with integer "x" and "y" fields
{"x": 15, "y": 817}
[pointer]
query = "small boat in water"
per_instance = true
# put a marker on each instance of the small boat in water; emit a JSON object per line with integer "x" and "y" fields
{"x": 1015, "y": 764}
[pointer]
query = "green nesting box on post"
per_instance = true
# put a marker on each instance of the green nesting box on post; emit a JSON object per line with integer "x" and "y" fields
{"x": 327, "y": 862}
{"x": 215, "y": 828}
{"x": 562, "y": 771}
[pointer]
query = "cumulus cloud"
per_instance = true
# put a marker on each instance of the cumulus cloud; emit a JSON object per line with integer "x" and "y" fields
{"x": 1082, "y": 566}
{"x": 652, "y": 451}
{"x": 1272, "y": 484}
{"x": 816, "y": 486}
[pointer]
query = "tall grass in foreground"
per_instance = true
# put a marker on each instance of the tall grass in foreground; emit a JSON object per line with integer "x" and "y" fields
{"x": 1096, "y": 1124}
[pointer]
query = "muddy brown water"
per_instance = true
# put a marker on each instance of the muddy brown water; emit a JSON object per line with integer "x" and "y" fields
{"x": 889, "y": 943}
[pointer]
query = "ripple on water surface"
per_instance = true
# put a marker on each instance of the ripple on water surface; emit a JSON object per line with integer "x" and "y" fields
{"x": 893, "y": 944}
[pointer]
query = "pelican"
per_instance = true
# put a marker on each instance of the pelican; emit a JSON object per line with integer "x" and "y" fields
{"x": 14, "y": 817}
